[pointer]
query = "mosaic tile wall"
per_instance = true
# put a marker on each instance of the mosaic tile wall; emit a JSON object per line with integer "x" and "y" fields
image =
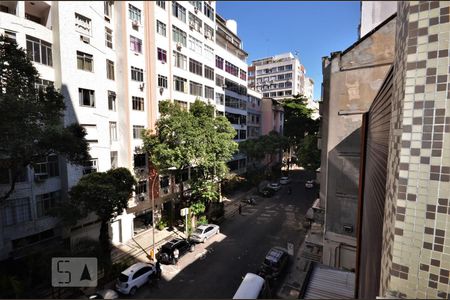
{"x": 416, "y": 235}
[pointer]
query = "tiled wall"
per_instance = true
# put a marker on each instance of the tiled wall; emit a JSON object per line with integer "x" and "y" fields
{"x": 416, "y": 235}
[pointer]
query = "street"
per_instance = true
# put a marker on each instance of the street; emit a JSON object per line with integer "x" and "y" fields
{"x": 216, "y": 268}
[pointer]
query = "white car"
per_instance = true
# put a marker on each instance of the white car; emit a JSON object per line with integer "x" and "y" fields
{"x": 204, "y": 232}
{"x": 285, "y": 180}
{"x": 105, "y": 294}
{"x": 134, "y": 277}
{"x": 309, "y": 184}
{"x": 274, "y": 186}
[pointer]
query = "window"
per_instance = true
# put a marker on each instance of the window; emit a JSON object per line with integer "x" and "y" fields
{"x": 208, "y": 11}
{"x": 137, "y": 131}
{"x": 16, "y": 211}
{"x": 179, "y": 11}
{"x": 209, "y": 32}
{"x": 47, "y": 167}
{"x": 197, "y": 4}
{"x": 107, "y": 8}
{"x": 182, "y": 104}
{"x": 195, "y": 45}
{"x": 111, "y": 100}
{"x": 195, "y": 23}
{"x": 220, "y": 80}
{"x": 160, "y": 28}
{"x": 138, "y": 103}
{"x": 281, "y": 85}
{"x": 180, "y": 60}
{"x": 134, "y": 13}
{"x": 162, "y": 55}
{"x": 243, "y": 74}
{"x": 114, "y": 159}
{"x": 242, "y": 134}
{"x": 209, "y": 92}
{"x": 42, "y": 84}
{"x": 45, "y": 202}
{"x": 139, "y": 160}
{"x": 288, "y": 76}
{"x": 109, "y": 69}
{"x": 288, "y": 84}
{"x": 91, "y": 133}
{"x": 82, "y": 24}
{"x": 220, "y": 99}
{"x": 208, "y": 53}
{"x": 10, "y": 35}
{"x": 280, "y": 68}
{"x": 141, "y": 188}
{"x": 288, "y": 67}
{"x": 195, "y": 67}
{"x": 87, "y": 97}
{"x": 265, "y": 94}
{"x": 162, "y": 81}
{"x": 112, "y": 132}
{"x": 219, "y": 62}
{"x": 179, "y": 84}
{"x": 39, "y": 51}
{"x": 137, "y": 74}
{"x": 135, "y": 44}
{"x": 108, "y": 38}
{"x": 90, "y": 166}
{"x": 195, "y": 88}
{"x": 179, "y": 36}
{"x": 161, "y": 4}
{"x": 209, "y": 73}
{"x": 232, "y": 69}
{"x": 287, "y": 93}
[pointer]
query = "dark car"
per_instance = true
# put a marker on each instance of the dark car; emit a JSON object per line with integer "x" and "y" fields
{"x": 165, "y": 254}
{"x": 267, "y": 192}
{"x": 274, "y": 264}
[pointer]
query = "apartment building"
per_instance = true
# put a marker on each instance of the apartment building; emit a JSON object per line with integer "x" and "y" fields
{"x": 280, "y": 76}
{"x": 114, "y": 62}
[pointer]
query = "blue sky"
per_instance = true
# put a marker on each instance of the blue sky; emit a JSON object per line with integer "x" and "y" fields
{"x": 314, "y": 29}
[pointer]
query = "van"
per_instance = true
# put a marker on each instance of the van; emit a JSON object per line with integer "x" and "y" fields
{"x": 252, "y": 287}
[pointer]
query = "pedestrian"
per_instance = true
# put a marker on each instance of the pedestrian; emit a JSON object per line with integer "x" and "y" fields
{"x": 240, "y": 209}
{"x": 175, "y": 255}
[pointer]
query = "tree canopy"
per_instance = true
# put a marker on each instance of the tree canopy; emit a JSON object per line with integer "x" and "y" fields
{"x": 31, "y": 118}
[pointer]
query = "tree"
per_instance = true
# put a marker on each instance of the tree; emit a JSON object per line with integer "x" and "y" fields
{"x": 308, "y": 155}
{"x": 184, "y": 139}
{"x": 31, "y": 118}
{"x": 104, "y": 193}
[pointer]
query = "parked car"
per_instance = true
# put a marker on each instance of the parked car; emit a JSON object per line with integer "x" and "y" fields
{"x": 285, "y": 180}
{"x": 165, "y": 254}
{"x": 274, "y": 186}
{"x": 309, "y": 184}
{"x": 267, "y": 192}
{"x": 204, "y": 232}
{"x": 105, "y": 294}
{"x": 274, "y": 264}
{"x": 134, "y": 277}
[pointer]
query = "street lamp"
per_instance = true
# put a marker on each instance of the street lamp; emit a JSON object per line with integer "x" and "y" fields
{"x": 153, "y": 211}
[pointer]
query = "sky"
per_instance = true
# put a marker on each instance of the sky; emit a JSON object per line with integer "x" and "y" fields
{"x": 312, "y": 29}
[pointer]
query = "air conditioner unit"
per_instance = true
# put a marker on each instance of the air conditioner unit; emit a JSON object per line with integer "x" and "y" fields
{"x": 85, "y": 39}
{"x": 40, "y": 177}
{"x": 208, "y": 35}
{"x": 141, "y": 86}
{"x": 196, "y": 9}
{"x": 135, "y": 23}
{"x": 179, "y": 46}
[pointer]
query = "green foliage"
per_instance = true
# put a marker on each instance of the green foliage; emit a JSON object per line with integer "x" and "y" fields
{"x": 202, "y": 221}
{"x": 31, "y": 118}
{"x": 308, "y": 155}
{"x": 161, "y": 224}
{"x": 205, "y": 191}
{"x": 197, "y": 208}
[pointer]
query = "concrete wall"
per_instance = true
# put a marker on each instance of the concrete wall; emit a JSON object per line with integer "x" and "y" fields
{"x": 373, "y": 13}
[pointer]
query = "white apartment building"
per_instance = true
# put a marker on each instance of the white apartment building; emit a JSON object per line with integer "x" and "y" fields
{"x": 280, "y": 76}
{"x": 114, "y": 62}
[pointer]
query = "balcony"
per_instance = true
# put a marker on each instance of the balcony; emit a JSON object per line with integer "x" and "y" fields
{"x": 38, "y": 12}
{"x": 224, "y": 42}
{"x": 9, "y": 7}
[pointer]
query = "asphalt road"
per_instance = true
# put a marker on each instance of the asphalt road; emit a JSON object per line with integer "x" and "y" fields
{"x": 216, "y": 268}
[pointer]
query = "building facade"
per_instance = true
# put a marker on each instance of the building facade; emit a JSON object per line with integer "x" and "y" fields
{"x": 113, "y": 62}
{"x": 280, "y": 76}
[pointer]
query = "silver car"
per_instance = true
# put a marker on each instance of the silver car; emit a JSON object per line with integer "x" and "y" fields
{"x": 204, "y": 232}
{"x": 274, "y": 186}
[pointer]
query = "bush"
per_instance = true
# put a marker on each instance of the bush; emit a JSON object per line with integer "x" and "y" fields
{"x": 161, "y": 224}
{"x": 202, "y": 221}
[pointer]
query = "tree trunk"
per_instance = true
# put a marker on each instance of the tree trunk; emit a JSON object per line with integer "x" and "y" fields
{"x": 105, "y": 245}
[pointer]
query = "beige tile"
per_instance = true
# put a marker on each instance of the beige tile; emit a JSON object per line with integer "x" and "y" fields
{"x": 421, "y": 72}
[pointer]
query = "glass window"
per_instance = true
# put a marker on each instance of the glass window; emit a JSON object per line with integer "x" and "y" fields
{"x": 232, "y": 69}
{"x": 87, "y": 97}
{"x": 162, "y": 55}
{"x": 139, "y": 160}
{"x": 90, "y": 166}
{"x": 197, "y": 4}
{"x": 219, "y": 62}
{"x": 242, "y": 74}
{"x": 39, "y": 51}
{"x": 162, "y": 81}
{"x": 180, "y": 84}
{"x": 179, "y": 36}
{"x": 195, "y": 67}
{"x": 220, "y": 80}
{"x": 109, "y": 69}
{"x": 45, "y": 202}
{"x": 137, "y": 74}
{"x": 195, "y": 23}
{"x": 209, "y": 92}
{"x": 220, "y": 99}
{"x": 209, "y": 32}
{"x": 195, "y": 88}
{"x": 114, "y": 159}
{"x": 134, "y": 13}
{"x": 208, "y": 11}
{"x": 180, "y": 60}
{"x": 208, "y": 52}
{"x": 16, "y": 211}
{"x": 137, "y": 103}
{"x": 111, "y": 100}
{"x": 112, "y": 132}
{"x": 141, "y": 187}
{"x": 108, "y": 38}
{"x": 108, "y": 8}
{"x": 183, "y": 104}
{"x": 83, "y": 24}
{"x": 135, "y": 44}
{"x": 179, "y": 11}
{"x": 137, "y": 131}
{"x": 160, "y": 28}
{"x": 209, "y": 73}
{"x": 195, "y": 45}
{"x": 84, "y": 61}
{"x": 161, "y": 4}
{"x": 288, "y": 67}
